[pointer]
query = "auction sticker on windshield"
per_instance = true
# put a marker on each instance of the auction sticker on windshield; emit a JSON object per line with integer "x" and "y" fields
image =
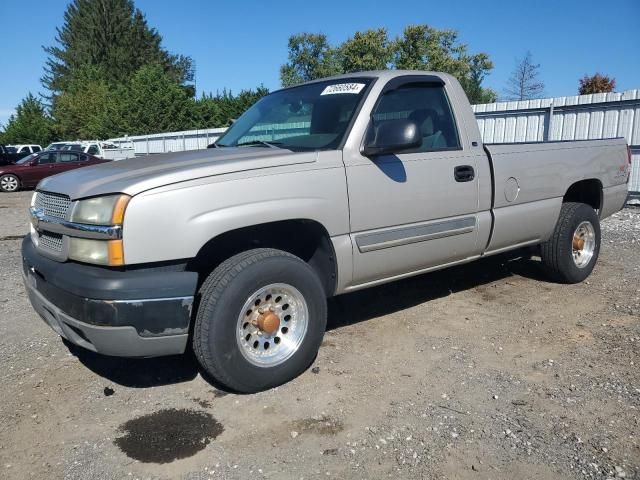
{"x": 343, "y": 88}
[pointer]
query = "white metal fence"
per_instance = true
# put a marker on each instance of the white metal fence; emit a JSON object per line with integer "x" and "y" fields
{"x": 170, "y": 141}
{"x": 602, "y": 115}
{"x": 581, "y": 117}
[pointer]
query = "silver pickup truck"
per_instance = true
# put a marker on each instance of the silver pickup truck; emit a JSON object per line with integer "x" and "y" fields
{"x": 317, "y": 190}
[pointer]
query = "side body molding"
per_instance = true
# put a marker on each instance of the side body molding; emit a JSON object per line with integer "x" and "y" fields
{"x": 415, "y": 233}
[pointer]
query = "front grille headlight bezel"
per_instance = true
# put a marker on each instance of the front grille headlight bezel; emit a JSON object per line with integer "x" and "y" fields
{"x": 91, "y": 229}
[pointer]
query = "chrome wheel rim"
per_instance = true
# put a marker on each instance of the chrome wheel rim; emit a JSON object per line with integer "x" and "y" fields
{"x": 9, "y": 183}
{"x": 583, "y": 244}
{"x": 272, "y": 324}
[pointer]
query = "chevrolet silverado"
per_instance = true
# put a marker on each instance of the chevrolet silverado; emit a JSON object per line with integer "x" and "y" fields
{"x": 317, "y": 190}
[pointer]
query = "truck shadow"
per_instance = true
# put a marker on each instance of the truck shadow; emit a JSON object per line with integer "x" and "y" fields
{"x": 344, "y": 310}
{"x": 138, "y": 372}
{"x": 392, "y": 297}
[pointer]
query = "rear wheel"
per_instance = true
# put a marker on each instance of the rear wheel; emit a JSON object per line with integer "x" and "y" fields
{"x": 260, "y": 321}
{"x": 9, "y": 183}
{"x": 572, "y": 251}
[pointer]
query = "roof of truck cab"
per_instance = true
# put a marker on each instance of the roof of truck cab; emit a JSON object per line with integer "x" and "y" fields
{"x": 383, "y": 75}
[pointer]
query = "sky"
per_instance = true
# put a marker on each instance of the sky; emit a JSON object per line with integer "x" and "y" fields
{"x": 241, "y": 44}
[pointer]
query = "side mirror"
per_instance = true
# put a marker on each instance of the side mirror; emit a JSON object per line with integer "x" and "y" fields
{"x": 33, "y": 163}
{"x": 393, "y": 136}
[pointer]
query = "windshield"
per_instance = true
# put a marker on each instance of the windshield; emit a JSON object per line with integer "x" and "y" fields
{"x": 55, "y": 146}
{"x": 72, "y": 146}
{"x": 309, "y": 117}
{"x": 27, "y": 159}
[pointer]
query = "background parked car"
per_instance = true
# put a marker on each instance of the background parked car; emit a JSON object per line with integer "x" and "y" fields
{"x": 13, "y": 153}
{"x": 28, "y": 171}
{"x": 8, "y": 155}
{"x": 26, "y": 149}
{"x": 96, "y": 148}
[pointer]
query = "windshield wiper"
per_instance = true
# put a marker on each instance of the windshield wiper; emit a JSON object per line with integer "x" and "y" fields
{"x": 260, "y": 142}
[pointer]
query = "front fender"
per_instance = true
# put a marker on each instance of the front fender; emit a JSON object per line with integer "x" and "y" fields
{"x": 172, "y": 224}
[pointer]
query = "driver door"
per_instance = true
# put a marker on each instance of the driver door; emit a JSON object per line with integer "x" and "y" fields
{"x": 412, "y": 211}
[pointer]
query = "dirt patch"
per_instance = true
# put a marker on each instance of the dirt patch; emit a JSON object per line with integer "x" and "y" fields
{"x": 319, "y": 425}
{"x": 167, "y": 435}
{"x": 203, "y": 403}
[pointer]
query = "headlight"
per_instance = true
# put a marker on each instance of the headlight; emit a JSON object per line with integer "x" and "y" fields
{"x": 103, "y": 211}
{"x": 108, "y": 210}
{"x": 99, "y": 252}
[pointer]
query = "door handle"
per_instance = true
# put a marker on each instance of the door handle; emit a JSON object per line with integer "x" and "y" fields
{"x": 464, "y": 173}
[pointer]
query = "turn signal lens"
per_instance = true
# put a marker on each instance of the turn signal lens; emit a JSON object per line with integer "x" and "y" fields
{"x": 119, "y": 208}
{"x": 116, "y": 253}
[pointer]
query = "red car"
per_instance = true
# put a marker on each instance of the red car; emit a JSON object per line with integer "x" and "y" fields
{"x": 28, "y": 171}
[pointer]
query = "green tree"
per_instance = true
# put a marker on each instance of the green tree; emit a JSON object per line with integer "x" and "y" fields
{"x": 221, "y": 109}
{"x": 152, "y": 102}
{"x": 479, "y": 67}
{"x": 368, "y": 50}
{"x": 425, "y": 48}
{"x": 30, "y": 123}
{"x": 597, "y": 83}
{"x": 310, "y": 57}
{"x": 112, "y": 35}
{"x": 420, "y": 47}
{"x": 87, "y": 108}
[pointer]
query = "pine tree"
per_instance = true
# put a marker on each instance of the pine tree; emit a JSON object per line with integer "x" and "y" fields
{"x": 152, "y": 102}
{"x": 30, "y": 123}
{"x": 112, "y": 35}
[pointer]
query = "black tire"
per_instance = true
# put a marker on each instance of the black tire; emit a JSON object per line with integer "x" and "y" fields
{"x": 9, "y": 179}
{"x": 557, "y": 252}
{"x": 221, "y": 300}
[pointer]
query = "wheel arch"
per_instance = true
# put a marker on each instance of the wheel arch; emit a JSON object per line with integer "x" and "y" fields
{"x": 305, "y": 238}
{"x": 588, "y": 191}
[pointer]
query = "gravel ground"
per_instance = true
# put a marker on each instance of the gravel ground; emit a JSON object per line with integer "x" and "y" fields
{"x": 480, "y": 371}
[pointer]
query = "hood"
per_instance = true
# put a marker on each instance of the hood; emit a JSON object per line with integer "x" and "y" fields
{"x": 135, "y": 175}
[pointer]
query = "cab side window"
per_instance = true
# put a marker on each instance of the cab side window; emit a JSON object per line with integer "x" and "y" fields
{"x": 93, "y": 149}
{"x": 427, "y": 105}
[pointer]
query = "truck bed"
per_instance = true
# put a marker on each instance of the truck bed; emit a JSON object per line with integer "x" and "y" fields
{"x": 526, "y": 202}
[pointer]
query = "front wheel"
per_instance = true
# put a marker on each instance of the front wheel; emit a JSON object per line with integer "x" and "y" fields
{"x": 9, "y": 183}
{"x": 572, "y": 251}
{"x": 260, "y": 321}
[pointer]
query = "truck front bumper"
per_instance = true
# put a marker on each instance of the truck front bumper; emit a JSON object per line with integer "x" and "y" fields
{"x": 143, "y": 312}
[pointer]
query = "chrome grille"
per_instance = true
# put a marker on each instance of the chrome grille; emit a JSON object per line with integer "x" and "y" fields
{"x": 53, "y": 204}
{"x": 51, "y": 241}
